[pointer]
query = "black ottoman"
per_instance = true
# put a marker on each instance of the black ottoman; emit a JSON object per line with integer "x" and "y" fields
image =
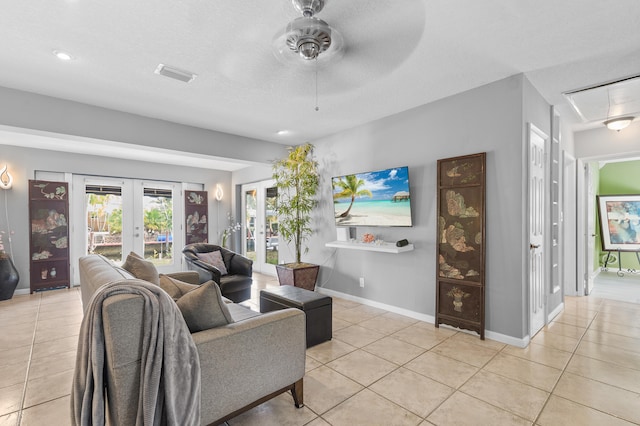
{"x": 316, "y": 306}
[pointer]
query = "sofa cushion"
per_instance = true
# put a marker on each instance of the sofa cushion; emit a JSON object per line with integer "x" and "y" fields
{"x": 141, "y": 269}
{"x": 214, "y": 258}
{"x": 203, "y": 308}
{"x": 174, "y": 287}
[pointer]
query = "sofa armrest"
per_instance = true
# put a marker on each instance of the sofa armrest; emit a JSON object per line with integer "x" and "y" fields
{"x": 249, "y": 359}
{"x": 241, "y": 265}
{"x": 190, "y": 277}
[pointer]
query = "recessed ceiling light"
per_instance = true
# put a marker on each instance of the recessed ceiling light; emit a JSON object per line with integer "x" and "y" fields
{"x": 283, "y": 132}
{"x": 63, "y": 56}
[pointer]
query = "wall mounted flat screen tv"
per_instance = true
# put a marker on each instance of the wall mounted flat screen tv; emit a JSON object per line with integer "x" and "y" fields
{"x": 379, "y": 198}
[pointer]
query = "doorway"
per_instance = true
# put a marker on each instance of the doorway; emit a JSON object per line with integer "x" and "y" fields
{"x": 125, "y": 215}
{"x": 611, "y": 175}
{"x": 260, "y": 226}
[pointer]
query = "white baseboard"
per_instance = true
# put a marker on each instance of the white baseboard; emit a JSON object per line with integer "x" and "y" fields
{"x": 21, "y": 291}
{"x": 555, "y": 312}
{"x": 498, "y": 337}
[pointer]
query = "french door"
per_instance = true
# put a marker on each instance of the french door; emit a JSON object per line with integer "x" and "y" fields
{"x": 125, "y": 215}
{"x": 260, "y": 226}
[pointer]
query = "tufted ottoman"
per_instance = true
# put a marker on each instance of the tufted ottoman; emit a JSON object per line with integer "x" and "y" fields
{"x": 317, "y": 308}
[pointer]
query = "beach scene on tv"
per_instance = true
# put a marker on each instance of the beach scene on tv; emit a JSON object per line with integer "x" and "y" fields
{"x": 380, "y": 198}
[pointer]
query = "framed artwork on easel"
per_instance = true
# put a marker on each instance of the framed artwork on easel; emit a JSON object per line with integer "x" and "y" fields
{"x": 460, "y": 268}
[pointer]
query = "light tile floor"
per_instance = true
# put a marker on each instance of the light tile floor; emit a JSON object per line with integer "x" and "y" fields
{"x": 380, "y": 369}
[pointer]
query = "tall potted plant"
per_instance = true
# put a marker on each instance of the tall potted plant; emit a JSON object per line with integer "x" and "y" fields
{"x": 296, "y": 179}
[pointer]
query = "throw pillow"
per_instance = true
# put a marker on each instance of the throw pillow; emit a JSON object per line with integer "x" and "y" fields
{"x": 203, "y": 308}
{"x": 174, "y": 287}
{"x": 214, "y": 258}
{"x": 141, "y": 269}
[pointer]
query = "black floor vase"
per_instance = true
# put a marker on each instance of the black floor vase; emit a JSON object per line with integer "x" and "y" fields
{"x": 8, "y": 278}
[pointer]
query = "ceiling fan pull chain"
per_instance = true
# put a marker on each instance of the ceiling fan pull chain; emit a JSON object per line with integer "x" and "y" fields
{"x": 317, "y": 109}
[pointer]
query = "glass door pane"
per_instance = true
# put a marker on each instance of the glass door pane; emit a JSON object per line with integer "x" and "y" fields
{"x": 104, "y": 221}
{"x": 271, "y": 226}
{"x": 250, "y": 213}
{"x": 260, "y": 225}
{"x": 158, "y": 225}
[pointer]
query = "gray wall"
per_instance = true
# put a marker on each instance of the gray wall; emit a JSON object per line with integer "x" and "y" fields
{"x": 489, "y": 118}
{"x": 23, "y": 162}
{"x": 602, "y": 143}
{"x": 26, "y": 110}
{"x": 33, "y": 111}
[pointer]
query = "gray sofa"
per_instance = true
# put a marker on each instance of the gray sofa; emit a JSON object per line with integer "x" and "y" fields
{"x": 242, "y": 364}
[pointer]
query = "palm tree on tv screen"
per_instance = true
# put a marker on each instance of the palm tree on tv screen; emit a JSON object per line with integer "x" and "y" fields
{"x": 350, "y": 188}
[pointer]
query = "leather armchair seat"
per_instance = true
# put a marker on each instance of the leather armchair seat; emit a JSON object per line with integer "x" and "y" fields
{"x": 236, "y": 284}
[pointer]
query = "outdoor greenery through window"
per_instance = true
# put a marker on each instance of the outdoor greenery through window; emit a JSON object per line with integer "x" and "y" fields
{"x": 158, "y": 225}
{"x": 105, "y": 223}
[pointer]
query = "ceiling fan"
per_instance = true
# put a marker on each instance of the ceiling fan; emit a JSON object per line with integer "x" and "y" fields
{"x": 308, "y": 37}
{"x": 350, "y": 44}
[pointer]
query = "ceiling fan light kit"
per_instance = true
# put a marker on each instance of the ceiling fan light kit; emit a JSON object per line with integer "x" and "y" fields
{"x": 619, "y": 123}
{"x": 308, "y": 36}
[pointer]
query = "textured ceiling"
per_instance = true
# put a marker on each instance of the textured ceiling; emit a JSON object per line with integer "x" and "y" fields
{"x": 399, "y": 54}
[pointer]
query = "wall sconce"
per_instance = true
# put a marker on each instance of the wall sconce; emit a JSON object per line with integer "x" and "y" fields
{"x": 6, "y": 180}
{"x": 219, "y": 192}
{"x": 619, "y": 123}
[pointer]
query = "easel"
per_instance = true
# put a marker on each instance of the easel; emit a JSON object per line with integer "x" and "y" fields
{"x": 620, "y": 273}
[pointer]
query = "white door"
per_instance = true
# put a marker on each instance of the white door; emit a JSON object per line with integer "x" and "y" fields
{"x": 260, "y": 226}
{"x": 125, "y": 215}
{"x": 592, "y": 180}
{"x": 537, "y": 174}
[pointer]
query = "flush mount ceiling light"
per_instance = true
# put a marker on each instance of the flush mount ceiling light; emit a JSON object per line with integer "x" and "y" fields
{"x": 307, "y": 37}
{"x": 62, "y": 55}
{"x": 619, "y": 123}
{"x": 175, "y": 73}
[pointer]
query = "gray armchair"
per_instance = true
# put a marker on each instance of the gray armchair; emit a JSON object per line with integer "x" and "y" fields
{"x": 236, "y": 284}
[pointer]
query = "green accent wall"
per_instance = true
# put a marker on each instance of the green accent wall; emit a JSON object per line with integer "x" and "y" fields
{"x": 621, "y": 178}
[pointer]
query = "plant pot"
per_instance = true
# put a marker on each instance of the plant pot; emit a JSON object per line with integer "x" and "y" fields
{"x": 8, "y": 278}
{"x": 303, "y": 275}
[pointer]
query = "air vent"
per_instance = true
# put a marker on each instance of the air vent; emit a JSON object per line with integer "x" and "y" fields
{"x": 175, "y": 73}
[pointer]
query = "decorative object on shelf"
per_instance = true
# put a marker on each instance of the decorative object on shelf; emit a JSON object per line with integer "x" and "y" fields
{"x": 9, "y": 277}
{"x": 402, "y": 243}
{"x": 231, "y": 228}
{"x": 460, "y": 276}
{"x": 368, "y": 238}
{"x": 49, "y": 237}
{"x": 196, "y": 210}
{"x": 296, "y": 179}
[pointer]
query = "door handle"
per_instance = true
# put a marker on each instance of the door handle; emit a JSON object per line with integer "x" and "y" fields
{"x": 534, "y": 246}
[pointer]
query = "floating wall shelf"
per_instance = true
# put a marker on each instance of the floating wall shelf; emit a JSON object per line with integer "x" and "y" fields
{"x": 384, "y": 247}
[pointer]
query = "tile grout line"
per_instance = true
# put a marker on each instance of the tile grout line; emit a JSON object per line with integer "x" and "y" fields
{"x": 573, "y": 353}
{"x": 26, "y": 378}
